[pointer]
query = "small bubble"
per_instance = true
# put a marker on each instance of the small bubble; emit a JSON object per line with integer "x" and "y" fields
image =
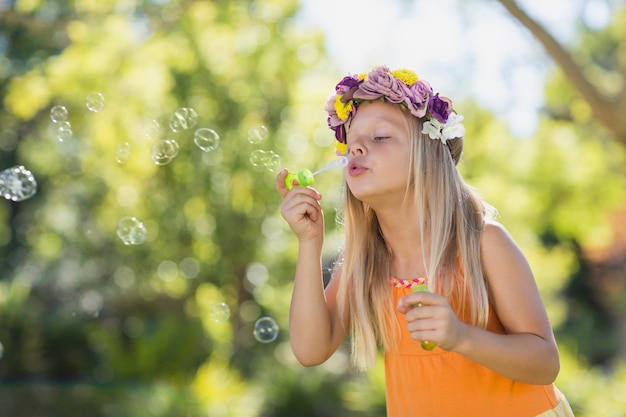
{"x": 258, "y": 158}
{"x": 95, "y": 102}
{"x": 151, "y": 129}
{"x": 220, "y": 312}
{"x": 265, "y": 330}
{"x": 131, "y": 231}
{"x": 184, "y": 118}
{"x": 17, "y": 183}
{"x": 122, "y": 153}
{"x": 272, "y": 161}
{"x": 206, "y": 139}
{"x": 64, "y": 131}
{"x": 164, "y": 151}
{"x": 58, "y": 114}
{"x": 1, "y": 350}
{"x": 257, "y": 134}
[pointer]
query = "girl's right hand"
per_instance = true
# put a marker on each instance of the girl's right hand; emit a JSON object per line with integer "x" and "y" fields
{"x": 301, "y": 209}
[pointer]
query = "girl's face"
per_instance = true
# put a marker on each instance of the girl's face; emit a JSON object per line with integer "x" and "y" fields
{"x": 379, "y": 153}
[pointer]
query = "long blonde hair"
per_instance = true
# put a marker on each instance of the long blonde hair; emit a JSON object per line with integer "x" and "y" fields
{"x": 451, "y": 217}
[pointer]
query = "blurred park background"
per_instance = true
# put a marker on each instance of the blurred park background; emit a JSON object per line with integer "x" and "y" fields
{"x": 92, "y": 326}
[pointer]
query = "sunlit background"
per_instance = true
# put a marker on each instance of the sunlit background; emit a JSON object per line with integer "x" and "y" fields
{"x": 145, "y": 269}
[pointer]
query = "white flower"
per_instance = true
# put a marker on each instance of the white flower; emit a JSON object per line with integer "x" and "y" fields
{"x": 432, "y": 128}
{"x": 453, "y": 127}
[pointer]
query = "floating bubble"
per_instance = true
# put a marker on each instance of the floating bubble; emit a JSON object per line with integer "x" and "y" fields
{"x": 220, "y": 312}
{"x": 184, "y": 118}
{"x": 131, "y": 231}
{"x": 151, "y": 129}
{"x": 272, "y": 161}
{"x": 1, "y": 350}
{"x": 206, "y": 139}
{"x": 64, "y": 131}
{"x": 95, "y": 102}
{"x": 265, "y": 330}
{"x": 257, "y": 134}
{"x": 122, "y": 153}
{"x": 17, "y": 183}
{"x": 258, "y": 158}
{"x": 58, "y": 114}
{"x": 164, "y": 151}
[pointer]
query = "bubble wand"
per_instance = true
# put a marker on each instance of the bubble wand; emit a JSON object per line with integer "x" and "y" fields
{"x": 304, "y": 177}
{"x": 426, "y": 345}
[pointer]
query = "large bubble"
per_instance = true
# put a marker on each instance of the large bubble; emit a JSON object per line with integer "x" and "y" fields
{"x": 131, "y": 231}
{"x": 206, "y": 139}
{"x": 265, "y": 330}
{"x": 184, "y": 118}
{"x": 95, "y": 102}
{"x": 17, "y": 183}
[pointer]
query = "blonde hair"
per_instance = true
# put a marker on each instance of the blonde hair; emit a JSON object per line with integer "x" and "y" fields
{"x": 451, "y": 217}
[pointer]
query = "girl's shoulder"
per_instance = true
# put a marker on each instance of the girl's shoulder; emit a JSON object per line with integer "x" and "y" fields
{"x": 496, "y": 239}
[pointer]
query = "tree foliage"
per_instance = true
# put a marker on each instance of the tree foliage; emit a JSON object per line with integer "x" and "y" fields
{"x": 88, "y": 323}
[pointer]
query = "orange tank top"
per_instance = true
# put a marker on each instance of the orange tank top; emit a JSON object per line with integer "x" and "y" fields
{"x": 446, "y": 384}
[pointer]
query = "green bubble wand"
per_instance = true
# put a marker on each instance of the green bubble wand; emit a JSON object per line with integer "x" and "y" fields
{"x": 304, "y": 177}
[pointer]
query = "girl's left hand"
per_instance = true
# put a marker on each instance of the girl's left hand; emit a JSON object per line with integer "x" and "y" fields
{"x": 434, "y": 321}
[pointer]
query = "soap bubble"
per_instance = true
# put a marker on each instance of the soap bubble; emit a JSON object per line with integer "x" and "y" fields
{"x": 265, "y": 330}
{"x": 122, "y": 153}
{"x": 220, "y": 312}
{"x": 184, "y": 118}
{"x": 206, "y": 139}
{"x": 1, "y": 350}
{"x": 257, "y": 134}
{"x": 272, "y": 161}
{"x": 258, "y": 158}
{"x": 131, "y": 231}
{"x": 17, "y": 183}
{"x": 95, "y": 102}
{"x": 164, "y": 151}
{"x": 269, "y": 160}
{"x": 64, "y": 131}
{"x": 151, "y": 129}
{"x": 58, "y": 114}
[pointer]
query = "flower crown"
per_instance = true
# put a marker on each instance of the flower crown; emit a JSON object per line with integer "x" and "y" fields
{"x": 399, "y": 86}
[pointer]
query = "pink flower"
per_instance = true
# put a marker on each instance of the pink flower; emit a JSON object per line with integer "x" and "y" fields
{"x": 418, "y": 97}
{"x": 381, "y": 83}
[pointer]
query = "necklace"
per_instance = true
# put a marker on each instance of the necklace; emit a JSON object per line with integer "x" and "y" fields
{"x": 407, "y": 283}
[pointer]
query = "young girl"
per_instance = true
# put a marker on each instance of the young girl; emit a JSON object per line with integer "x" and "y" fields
{"x": 410, "y": 219}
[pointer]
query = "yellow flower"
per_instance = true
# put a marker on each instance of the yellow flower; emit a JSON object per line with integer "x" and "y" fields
{"x": 362, "y": 76}
{"x": 342, "y": 109}
{"x": 341, "y": 148}
{"x": 406, "y": 76}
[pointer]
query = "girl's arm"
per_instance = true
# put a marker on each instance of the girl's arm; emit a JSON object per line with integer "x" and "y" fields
{"x": 314, "y": 327}
{"x": 528, "y": 351}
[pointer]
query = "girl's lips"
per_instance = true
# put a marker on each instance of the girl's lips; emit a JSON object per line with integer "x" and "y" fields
{"x": 354, "y": 168}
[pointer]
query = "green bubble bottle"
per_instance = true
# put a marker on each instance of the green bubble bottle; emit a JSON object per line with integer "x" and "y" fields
{"x": 426, "y": 345}
{"x": 304, "y": 177}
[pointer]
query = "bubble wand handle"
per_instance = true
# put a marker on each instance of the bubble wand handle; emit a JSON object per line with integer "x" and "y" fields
{"x": 304, "y": 177}
{"x": 426, "y": 345}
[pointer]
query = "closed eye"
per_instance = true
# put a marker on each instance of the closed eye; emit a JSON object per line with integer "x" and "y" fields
{"x": 380, "y": 138}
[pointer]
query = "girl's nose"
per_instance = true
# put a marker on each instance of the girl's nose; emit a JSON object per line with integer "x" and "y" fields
{"x": 356, "y": 148}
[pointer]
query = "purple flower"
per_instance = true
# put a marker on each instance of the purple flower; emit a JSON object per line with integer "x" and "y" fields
{"x": 417, "y": 98}
{"x": 334, "y": 122}
{"x": 380, "y": 83}
{"x": 440, "y": 108}
{"x": 347, "y": 86}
